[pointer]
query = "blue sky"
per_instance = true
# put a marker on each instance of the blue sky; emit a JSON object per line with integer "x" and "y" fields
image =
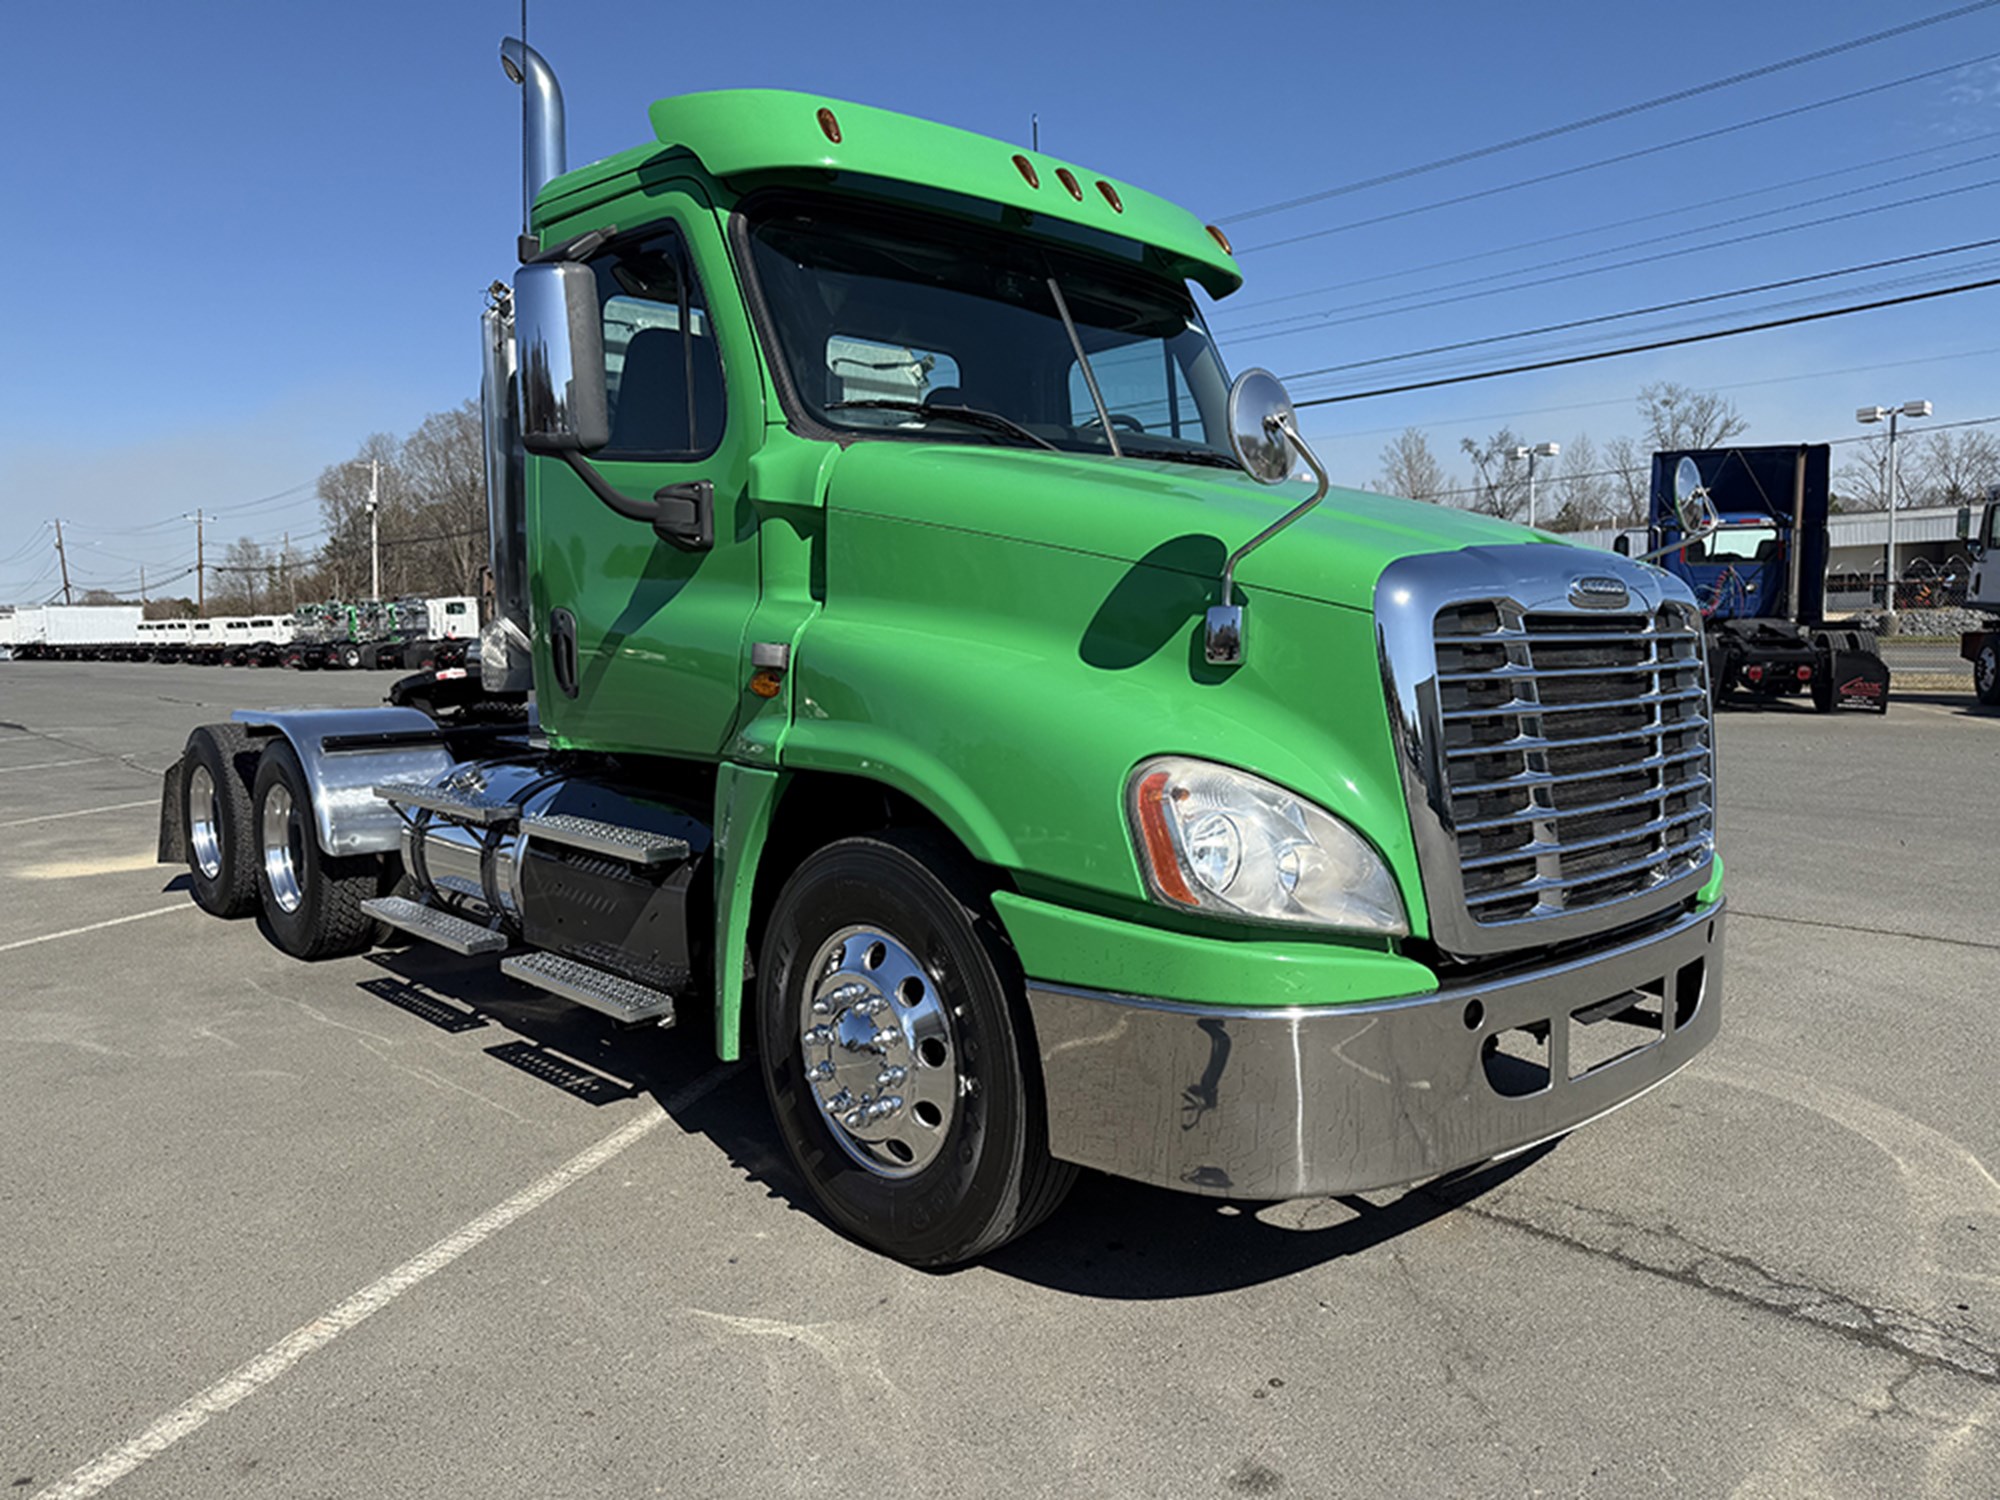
{"x": 245, "y": 236}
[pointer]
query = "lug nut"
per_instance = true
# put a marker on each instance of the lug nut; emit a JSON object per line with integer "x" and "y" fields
{"x": 819, "y": 1072}
{"x": 870, "y": 1006}
{"x": 888, "y": 1036}
{"x": 883, "y": 1108}
{"x": 819, "y": 1036}
{"x": 889, "y": 1077}
{"x": 840, "y": 1101}
{"x": 848, "y": 993}
{"x": 855, "y": 1119}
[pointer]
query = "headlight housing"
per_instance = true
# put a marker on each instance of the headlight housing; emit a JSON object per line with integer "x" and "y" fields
{"x": 1220, "y": 840}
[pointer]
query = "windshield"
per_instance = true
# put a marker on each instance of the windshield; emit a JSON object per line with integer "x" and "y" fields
{"x": 1742, "y": 542}
{"x": 891, "y": 322}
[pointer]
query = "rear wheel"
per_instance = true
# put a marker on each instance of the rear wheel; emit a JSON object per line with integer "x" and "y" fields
{"x": 216, "y": 817}
{"x": 896, "y": 1054}
{"x": 1986, "y": 671}
{"x": 311, "y": 902}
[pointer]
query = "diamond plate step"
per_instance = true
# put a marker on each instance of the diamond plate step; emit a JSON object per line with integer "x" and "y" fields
{"x": 633, "y": 844}
{"x": 434, "y": 925}
{"x": 617, "y": 997}
{"x": 452, "y": 804}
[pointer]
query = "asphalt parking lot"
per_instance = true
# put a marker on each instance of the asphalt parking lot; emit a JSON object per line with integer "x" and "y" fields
{"x": 392, "y": 1226}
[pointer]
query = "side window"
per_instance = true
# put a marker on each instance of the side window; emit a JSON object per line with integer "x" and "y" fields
{"x": 662, "y": 372}
{"x": 1993, "y": 526}
{"x": 1139, "y": 380}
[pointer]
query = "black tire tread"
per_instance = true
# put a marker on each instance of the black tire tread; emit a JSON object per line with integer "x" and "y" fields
{"x": 235, "y": 751}
{"x": 329, "y": 922}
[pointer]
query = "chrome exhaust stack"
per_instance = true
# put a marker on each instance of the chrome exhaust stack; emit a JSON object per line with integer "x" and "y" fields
{"x": 505, "y": 643}
{"x": 544, "y": 149}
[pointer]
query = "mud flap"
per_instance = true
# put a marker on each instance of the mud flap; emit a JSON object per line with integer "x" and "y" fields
{"x": 1855, "y": 674}
{"x": 173, "y": 827}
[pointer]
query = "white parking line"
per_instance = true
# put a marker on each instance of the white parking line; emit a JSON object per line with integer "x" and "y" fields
{"x": 82, "y": 812}
{"x": 245, "y": 1381}
{"x": 50, "y": 765}
{"x": 50, "y": 937}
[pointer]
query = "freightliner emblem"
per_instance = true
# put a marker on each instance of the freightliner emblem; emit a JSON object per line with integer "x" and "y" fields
{"x": 1598, "y": 593}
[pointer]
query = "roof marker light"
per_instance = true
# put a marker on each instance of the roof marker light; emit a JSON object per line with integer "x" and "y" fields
{"x": 829, "y": 124}
{"x": 1027, "y": 169}
{"x": 1110, "y": 196}
{"x": 1068, "y": 179}
{"x": 1221, "y": 239}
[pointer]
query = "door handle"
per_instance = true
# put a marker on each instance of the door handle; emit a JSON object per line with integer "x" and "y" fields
{"x": 684, "y": 514}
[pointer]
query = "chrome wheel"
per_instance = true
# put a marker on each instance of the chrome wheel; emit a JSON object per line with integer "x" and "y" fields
{"x": 204, "y": 817}
{"x": 879, "y": 1052}
{"x": 283, "y": 851}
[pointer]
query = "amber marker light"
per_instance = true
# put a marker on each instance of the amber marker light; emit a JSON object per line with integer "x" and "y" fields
{"x": 1150, "y": 803}
{"x": 831, "y": 128}
{"x": 1027, "y": 171}
{"x": 765, "y": 683}
{"x": 1111, "y": 196}
{"x": 1221, "y": 239}
{"x": 1068, "y": 179}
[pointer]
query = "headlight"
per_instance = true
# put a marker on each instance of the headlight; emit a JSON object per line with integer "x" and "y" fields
{"x": 1225, "y": 841}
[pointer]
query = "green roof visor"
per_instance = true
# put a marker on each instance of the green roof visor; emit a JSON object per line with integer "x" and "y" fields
{"x": 747, "y": 133}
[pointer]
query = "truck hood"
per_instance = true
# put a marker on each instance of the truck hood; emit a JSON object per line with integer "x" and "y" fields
{"x": 1167, "y": 515}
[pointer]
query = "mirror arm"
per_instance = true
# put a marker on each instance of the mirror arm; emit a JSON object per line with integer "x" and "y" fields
{"x": 619, "y": 504}
{"x": 1284, "y": 425}
{"x": 1222, "y": 639}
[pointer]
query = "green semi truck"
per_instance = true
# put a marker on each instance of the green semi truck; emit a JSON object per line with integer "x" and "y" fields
{"x": 907, "y": 644}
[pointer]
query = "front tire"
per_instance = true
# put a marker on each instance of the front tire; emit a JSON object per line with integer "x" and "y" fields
{"x": 312, "y": 903}
{"x": 1986, "y": 671}
{"x": 896, "y": 1054}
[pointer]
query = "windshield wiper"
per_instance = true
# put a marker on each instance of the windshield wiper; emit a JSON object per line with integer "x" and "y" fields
{"x": 1206, "y": 456}
{"x": 973, "y": 416}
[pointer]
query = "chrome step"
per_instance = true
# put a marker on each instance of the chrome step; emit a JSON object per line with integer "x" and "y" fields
{"x": 449, "y": 802}
{"x": 435, "y": 925}
{"x": 633, "y": 844}
{"x": 620, "y": 998}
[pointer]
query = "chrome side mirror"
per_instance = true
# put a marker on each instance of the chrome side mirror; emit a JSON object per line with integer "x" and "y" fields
{"x": 560, "y": 342}
{"x": 1693, "y": 508}
{"x": 1264, "y": 431}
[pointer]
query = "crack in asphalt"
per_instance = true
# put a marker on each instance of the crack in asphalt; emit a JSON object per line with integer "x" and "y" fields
{"x": 1660, "y": 1251}
{"x": 1889, "y": 932}
{"x": 128, "y": 761}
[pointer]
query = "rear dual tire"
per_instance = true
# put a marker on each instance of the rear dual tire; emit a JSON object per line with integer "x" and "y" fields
{"x": 312, "y": 901}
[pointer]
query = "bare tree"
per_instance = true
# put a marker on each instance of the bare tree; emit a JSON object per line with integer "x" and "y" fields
{"x": 1677, "y": 416}
{"x": 1631, "y": 482}
{"x": 1500, "y": 486}
{"x": 1410, "y": 468}
{"x": 1584, "y": 494}
{"x": 1862, "y": 480}
{"x": 1952, "y": 468}
{"x": 443, "y": 464}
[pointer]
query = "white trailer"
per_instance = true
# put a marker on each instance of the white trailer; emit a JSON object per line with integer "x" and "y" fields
{"x": 1982, "y": 647}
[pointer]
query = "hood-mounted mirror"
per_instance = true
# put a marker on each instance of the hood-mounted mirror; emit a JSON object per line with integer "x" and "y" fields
{"x": 1693, "y": 509}
{"x": 1264, "y": 431}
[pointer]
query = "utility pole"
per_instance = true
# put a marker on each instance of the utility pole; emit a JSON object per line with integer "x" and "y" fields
{"x": 63, "y": 558}
{"x": 374, "y": 529}
{"x": 142, "y": 583}
{"x": 285, "y": 571}
{"x": 200, "y": 566}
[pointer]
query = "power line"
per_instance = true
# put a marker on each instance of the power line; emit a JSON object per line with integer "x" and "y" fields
{"x": 1621, "y": 113}
{"x": 1707, "y": 226}
{"x": 1657, "y": 307}
{"x": 1325, "y": 321}
{"x": 1647, "y": 348}
{"x": 1621, "y": 157}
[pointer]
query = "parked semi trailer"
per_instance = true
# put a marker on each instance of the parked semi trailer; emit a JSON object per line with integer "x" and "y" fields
{"x": 1760, "y": 577}
{"x": 76, "y": 632}
{"x": 1021, "y": 779}
{"x": 1981, "y": 647}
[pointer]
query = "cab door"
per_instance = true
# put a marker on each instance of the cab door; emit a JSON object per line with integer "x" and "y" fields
{"x": 638, "y": 641}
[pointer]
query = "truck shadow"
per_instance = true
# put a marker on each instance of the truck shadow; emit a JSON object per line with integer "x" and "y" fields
{"x": 1111, "y": 1239}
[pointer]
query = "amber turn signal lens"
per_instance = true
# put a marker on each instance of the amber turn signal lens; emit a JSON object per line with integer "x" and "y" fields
{"x": 765, "y": 683}
{"x": 1027, "y": 171}
{"x": 1111, "y": 196}
{"x": 829, "y": 124}
{"x": 1068, "y": 179}
{"x": 1160, "y": 852}
{"x": 1221, "y": 239}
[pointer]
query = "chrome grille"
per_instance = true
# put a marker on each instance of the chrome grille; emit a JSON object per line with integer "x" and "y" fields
{"x": 1558, "y": 758}
{"x": 1575, "y": 754}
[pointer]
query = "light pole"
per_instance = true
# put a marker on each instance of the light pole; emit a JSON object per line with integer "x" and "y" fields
{"x": 374, "y": 529}
{"x": 1875, "y": 414}
{"x": 1539, "y": 450}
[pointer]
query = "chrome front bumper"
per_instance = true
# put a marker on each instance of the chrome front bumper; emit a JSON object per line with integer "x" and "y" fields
{"x": 1284, "y": 1103}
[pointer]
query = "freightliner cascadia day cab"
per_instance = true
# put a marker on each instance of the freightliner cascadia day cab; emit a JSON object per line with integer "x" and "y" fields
{"x": 895, "y": 653}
